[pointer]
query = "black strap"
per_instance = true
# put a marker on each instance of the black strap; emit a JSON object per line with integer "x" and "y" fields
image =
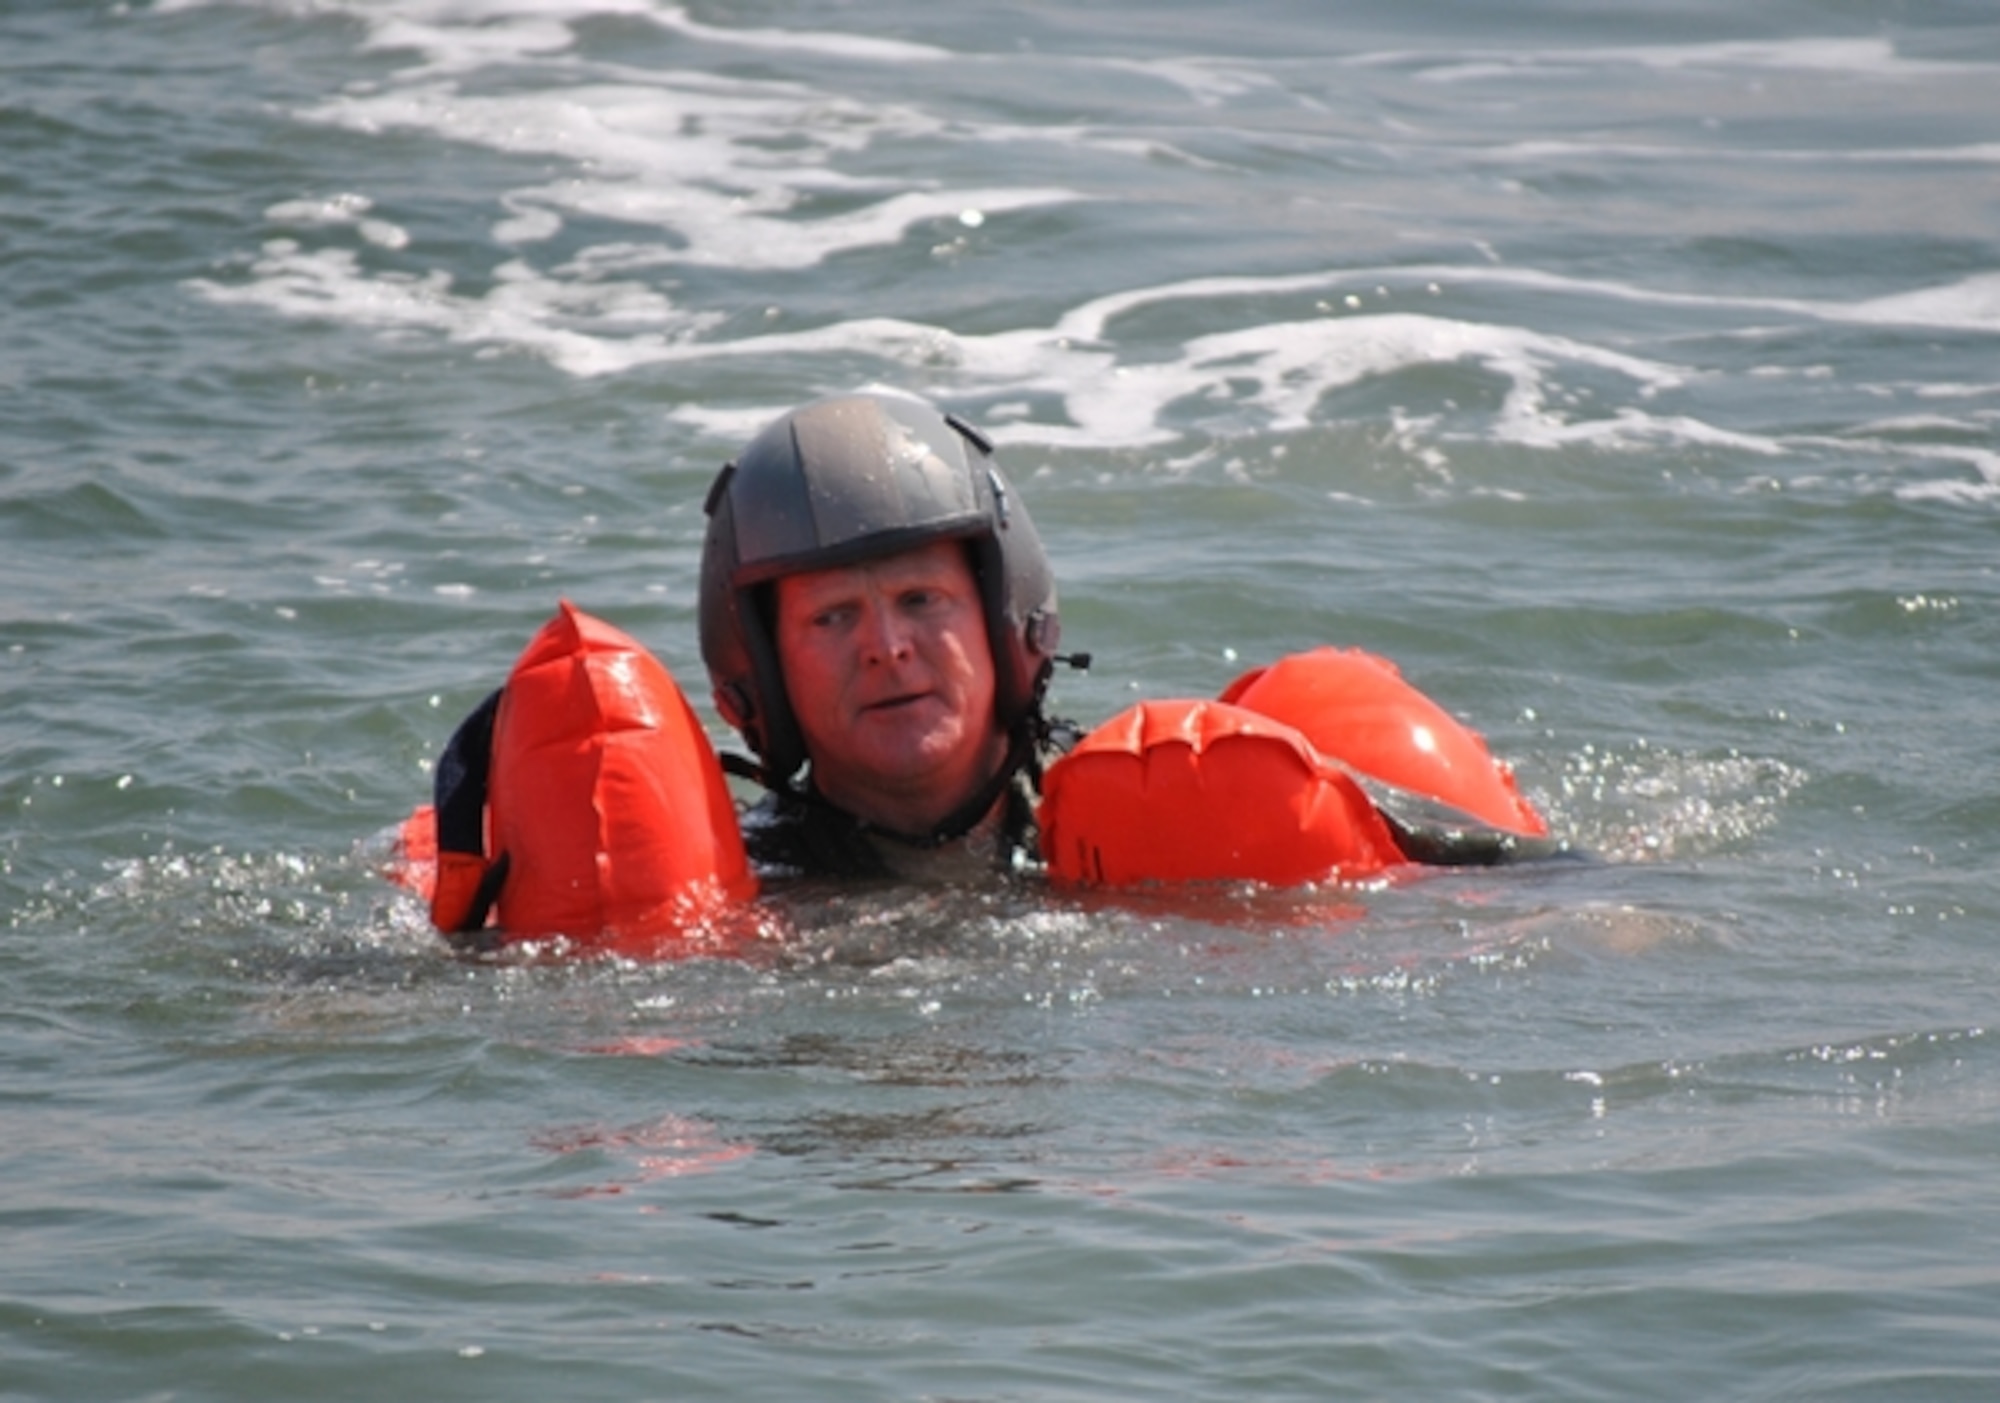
{"x": 960, "y": 821}
{"x": 743, "y": 767}
{"x": 484, "y": 896}
{"x": 969, "y": 815}
{"x": 805, "y": 831}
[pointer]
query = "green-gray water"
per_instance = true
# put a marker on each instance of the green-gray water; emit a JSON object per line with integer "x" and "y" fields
{"x": 1629, "y": 374}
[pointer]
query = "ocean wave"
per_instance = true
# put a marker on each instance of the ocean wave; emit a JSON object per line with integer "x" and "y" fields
{"x": 679, "y": 186}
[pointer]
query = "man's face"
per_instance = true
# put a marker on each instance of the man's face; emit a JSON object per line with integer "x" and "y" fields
{"x": 889, "y": 673}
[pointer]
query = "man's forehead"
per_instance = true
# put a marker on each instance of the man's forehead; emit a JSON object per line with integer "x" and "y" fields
{"x": 933, "y": 562}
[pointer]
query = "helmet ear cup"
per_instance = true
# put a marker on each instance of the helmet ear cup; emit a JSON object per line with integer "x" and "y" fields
{"x": 1044, "y": 633}
{"x": 1023, "y": 626}
{"x": 773, "y": 729}
{"x": 733, "y": 701}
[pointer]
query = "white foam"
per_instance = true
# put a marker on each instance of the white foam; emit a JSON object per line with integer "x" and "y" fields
{"x": 828, "y": 45}
{"x": 1543, "y": 151}
{"x": 345, "y": 208}
{"x": 1209, "y": 81}
{"x": 1260, "y": 376}
{"x": 1915, "y": 424}
{"x": 1972, "y": 304}
{"x": 1982, "y": 488}
{"x": 458, "y": 36}
{"x": 1849, "y": 57}
{"x": 1272, "y": 376}
{"x": 1841, "y": 57}
{"x": 464, "y": 48}
{"x": 1274, "y": 373}
{"x": 1941, "y": 389}
{"x": 524, "y": 311}
{"x": 721, "y": 167}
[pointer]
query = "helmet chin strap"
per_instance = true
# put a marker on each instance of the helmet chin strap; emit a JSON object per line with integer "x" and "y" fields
{"x": 955, "y": 825}
{"x": 1029, "y": 735}
{"x": 969, "y": 815}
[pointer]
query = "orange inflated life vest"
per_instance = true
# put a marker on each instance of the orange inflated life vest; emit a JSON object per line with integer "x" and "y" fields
{"x": 1261, "y": 785}
{"x": 1356, "y": 708}
{"x": 1188, "y": 791}
{"x": 606, "y": 803}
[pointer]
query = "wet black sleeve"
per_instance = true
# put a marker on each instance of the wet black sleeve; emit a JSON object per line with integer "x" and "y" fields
{"x": 1443, "y": 846}
{"x": 459, "y": 787}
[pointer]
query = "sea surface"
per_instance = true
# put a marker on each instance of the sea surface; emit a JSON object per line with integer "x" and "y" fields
{"x": 1628, "y": 373}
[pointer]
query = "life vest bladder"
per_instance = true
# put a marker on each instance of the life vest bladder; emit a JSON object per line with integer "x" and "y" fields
{"x": 1356, "y": 708}
{"x": 606, "y": 817}
{"x": 1189, "y": 791}
{"x": 1261, "y": 785}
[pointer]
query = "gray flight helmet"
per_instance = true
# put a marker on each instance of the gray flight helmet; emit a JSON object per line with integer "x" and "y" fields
{"x": 854, "y": 478}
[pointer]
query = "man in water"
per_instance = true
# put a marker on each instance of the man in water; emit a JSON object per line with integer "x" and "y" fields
{"x": 879, "y": 622}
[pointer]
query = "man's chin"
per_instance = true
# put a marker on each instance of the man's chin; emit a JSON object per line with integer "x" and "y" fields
{"x": 909, "y": 754}
{"x": 909, "y": 760}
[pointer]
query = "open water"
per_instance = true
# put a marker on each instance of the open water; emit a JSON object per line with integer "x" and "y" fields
{"x": 1629, "y": 373}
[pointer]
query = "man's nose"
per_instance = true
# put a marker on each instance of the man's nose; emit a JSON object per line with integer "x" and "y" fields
{"x": 885, "y": 635}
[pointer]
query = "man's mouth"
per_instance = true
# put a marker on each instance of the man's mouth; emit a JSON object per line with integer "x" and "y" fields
{"x": 896, "y": 703}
